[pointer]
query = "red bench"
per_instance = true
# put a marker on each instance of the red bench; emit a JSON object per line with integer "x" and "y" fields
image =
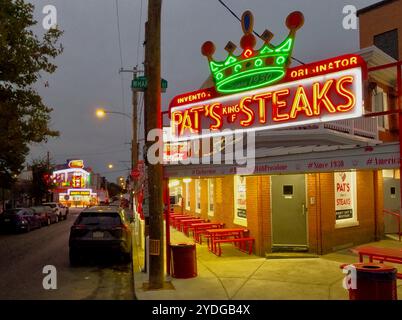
{"x": 242, "y": 242}
{"x": 380, "y": 254}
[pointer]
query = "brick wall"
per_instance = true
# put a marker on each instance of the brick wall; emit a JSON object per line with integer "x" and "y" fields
{"x": 323, "y": 237}
{"x": 367, "y": 207}
{"x": 380, "y": 20}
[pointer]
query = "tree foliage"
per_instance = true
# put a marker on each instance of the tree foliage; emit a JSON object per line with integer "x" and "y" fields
{"x": 24, "y": 118}
{"x": 41, "y": 181}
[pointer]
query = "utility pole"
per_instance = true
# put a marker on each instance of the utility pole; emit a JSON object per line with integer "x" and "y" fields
{"x": 48, "y": 169}
{"x": 152, "y": 110}
{"x": 134, "y": 140}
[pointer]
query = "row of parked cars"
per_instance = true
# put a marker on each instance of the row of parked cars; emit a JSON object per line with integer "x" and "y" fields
{"x": 27, "y": 219}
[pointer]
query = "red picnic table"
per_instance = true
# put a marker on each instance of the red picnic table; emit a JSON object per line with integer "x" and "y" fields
{"x": 380, "y": 254}
{"x": 200, "y": 228}
{"x": 176, "y": 220}
{"x": 233, "y": 235}
{"x": 184, "y": 224}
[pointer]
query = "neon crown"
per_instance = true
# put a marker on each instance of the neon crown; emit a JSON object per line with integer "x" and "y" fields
{"x": 253, "y": 68}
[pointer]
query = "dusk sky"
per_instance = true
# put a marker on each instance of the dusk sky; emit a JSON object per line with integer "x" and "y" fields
{"x": 88, "y": 77}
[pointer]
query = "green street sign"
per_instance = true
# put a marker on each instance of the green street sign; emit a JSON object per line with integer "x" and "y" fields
{"x": 141, "y": 83}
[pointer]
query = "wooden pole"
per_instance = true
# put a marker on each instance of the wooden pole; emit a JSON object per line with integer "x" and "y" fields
{"x": 153, "y": 121}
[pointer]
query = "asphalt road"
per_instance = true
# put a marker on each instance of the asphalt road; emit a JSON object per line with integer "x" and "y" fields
{"x": 23, "y": 257}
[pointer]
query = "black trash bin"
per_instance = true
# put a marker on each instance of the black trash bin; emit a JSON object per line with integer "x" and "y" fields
{"x": 183, "y": 260}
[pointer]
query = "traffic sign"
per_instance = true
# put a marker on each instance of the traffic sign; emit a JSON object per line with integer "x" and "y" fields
{"x": 141, "y": 83}
{"x": 135, "y": 173}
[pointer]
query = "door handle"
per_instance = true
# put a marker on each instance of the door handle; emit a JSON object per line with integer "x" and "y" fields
{"x": 304, "y": 209}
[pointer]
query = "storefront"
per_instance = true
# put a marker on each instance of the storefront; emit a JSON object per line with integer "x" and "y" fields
{"x": 73, "y": 183}
{"x": 319, "y": 167}
{"x": 296, "y": 201}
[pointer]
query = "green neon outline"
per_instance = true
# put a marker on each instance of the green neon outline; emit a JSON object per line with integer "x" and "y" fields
{"x": 282, "y": 58}
{"x": 248, "y": 74}
{"x": 230, "y": 60}
{"x": 266, "y": 49}
{"x": 236, "y": 69}
{"x": 215, "y": 66}
{"x": 220, "y": 74}
{"x": 222, "y": 70}
{"x": 259, "y": 62}
{"x": 285, "y": 46}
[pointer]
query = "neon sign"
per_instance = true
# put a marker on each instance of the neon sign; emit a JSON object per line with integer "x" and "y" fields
{"x": 76, "y": 164}
{"x": 319, "y": 92}
{"x": 253, "y": 68}
{"x": 82, "y": 192}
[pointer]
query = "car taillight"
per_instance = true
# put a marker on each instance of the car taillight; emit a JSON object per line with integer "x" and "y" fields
{"x": 79, "y": 227}
{"x": 120, "y": 227}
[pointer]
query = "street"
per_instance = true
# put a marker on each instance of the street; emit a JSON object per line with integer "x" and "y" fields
{"x": 23, "y": 257}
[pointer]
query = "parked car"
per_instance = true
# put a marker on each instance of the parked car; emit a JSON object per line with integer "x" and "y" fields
{"x": 47, "y": 214}
{"x": 19, "y": 219}
{"x": 62, "y": 211}
{"x": 100, "y": 229}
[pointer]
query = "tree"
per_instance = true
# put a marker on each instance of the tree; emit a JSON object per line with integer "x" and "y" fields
{"x": 41, "y": 181}
{"x": 24, "y": 118}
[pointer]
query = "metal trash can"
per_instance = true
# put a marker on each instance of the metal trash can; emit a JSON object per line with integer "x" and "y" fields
{"x": 183, "y": 260}
{"x": 374, "y": 281}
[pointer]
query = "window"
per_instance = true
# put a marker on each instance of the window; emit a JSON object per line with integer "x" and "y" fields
{"x": 388, "y": 42}
{"x": 379, "y": 100}
{"x": 187, "y": 196}
{"x": 345, "y": 199}
{"x": 240, "y": 197}
{"x": 211, "y": 195}
{"x": 198, "y": 195}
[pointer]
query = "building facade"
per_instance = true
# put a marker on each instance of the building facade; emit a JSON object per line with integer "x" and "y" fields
{"x": 316, "y": 188}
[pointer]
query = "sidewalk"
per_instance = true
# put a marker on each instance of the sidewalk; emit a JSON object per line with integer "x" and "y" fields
{"x": 236, "y": 275}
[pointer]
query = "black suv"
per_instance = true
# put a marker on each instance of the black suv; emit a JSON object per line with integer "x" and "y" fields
{"x": 100, "y": 229}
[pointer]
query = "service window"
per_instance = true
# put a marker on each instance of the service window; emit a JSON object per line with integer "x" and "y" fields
{"x": 240, "y": 196}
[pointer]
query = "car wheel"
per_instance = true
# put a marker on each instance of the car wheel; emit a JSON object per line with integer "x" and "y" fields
{"x": 74, "y": 258}
{"x": 28, "y": 228}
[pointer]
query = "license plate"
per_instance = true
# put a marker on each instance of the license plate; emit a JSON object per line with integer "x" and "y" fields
{"x": 97, "y": 234}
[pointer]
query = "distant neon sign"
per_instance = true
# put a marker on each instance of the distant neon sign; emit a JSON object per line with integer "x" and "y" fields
{"x": 76, "y": 164}
{"x": 83, "y": 192}
{"x": 329, "y": 90}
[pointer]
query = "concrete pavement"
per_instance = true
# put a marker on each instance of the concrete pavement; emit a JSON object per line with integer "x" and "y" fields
{"x": 236, "y": 275}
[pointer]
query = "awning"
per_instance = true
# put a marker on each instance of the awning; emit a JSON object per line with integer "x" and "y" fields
{"x": 301, "y": 159}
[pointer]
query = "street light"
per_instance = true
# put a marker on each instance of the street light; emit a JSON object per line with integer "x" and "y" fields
{"x": 110, "y": 166}
{"x": 101, "y": 113}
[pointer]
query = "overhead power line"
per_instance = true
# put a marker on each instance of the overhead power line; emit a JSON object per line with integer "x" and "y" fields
{"x": 139, "y": 35}
{"x": 123, "y": 100}
{"x": 237, "y": 17}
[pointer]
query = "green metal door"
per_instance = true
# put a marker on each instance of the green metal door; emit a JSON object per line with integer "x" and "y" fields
{"x": 392, "y": 202}
{"x": 289, "y": 212}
